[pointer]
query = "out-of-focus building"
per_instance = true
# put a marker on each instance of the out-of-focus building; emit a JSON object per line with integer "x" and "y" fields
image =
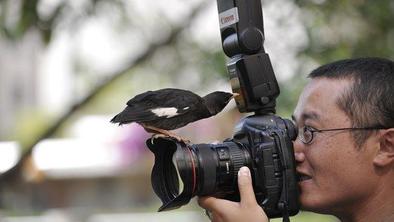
{"x": 100, "y": 173}
{"x": 18, "y": 78}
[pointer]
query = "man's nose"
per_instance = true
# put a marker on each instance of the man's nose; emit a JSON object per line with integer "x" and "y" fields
{"x": 299, "y": 154}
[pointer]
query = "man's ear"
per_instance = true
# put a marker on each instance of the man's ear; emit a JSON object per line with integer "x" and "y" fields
{"x": 385, "y": 154}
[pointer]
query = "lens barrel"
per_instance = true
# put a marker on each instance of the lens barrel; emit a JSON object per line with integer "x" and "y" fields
{"x": 205, "y": 169}
{"x": 218, "y": 167}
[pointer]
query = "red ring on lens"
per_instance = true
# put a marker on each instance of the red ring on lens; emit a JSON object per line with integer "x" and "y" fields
{"x": 193, "y": 170}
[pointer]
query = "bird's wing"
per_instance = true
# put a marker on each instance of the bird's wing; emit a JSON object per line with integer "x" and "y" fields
{"x": 163, "y": 97}
{"x": 164, "y": 103}
{"x": 136, "y": 114}
{"x": 177, "y": 102}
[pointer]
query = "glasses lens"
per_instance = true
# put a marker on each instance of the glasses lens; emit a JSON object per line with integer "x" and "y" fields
{"x": 306, "y": 135}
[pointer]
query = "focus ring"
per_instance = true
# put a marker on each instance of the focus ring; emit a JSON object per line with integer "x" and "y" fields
{"x": 238, "y": 157}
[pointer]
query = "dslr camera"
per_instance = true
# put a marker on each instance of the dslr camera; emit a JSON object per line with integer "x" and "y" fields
{"x": 262, "y": 141}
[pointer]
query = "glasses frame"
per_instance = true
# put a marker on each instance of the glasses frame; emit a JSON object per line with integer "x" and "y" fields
{"x": 312, "y": 130}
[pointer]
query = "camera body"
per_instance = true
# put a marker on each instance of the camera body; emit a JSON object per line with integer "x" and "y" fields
{"x": 268, "y": 139}
{"x": 262, "y": 141}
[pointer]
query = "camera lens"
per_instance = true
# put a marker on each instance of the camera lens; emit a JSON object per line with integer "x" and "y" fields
{"x": 182, "y": 172}
{"x": 207, "y": 169}
{"x": 218, "y": 165}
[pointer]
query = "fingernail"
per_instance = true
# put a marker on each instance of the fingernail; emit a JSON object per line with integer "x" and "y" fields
{"x": 244, "y": 171}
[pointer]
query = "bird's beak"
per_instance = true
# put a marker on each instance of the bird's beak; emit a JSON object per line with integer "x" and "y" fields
{"x": 235, "y": 95}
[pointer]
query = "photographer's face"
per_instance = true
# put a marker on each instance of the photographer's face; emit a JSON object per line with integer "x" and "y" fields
{"x": 337, "y": 174}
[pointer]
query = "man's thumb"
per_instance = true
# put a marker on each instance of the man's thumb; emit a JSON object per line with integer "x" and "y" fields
{"x": 245, "y": 187}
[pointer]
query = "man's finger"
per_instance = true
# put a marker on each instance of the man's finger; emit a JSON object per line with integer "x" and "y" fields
{"x": 245, "y": 187}
{"x": 216, "y": 218}
{"x": 212, "y": 203}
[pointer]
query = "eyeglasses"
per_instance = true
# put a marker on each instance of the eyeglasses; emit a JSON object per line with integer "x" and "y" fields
{"x": 306, "y": 133}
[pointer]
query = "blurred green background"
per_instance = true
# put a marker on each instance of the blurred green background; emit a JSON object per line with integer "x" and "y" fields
{"x": 67, "y": 66}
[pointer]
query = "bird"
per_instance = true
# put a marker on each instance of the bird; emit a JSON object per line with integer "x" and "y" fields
{"x": 162, "y": 110}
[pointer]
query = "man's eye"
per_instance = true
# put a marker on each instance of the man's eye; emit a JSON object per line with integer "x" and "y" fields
{"x": 309, "y": 128}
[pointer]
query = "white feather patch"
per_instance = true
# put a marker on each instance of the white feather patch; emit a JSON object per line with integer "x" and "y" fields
{"x": 167, "y": 112}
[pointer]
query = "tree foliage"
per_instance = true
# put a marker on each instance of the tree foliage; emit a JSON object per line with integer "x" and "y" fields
{"x": 348, "y": 28}
{"x": 17, "y": 17}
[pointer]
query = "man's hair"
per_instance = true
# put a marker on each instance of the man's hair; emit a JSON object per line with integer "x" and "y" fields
{"x": 369, "y": 101}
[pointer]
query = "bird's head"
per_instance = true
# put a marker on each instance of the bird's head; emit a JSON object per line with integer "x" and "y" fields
{"x": 216, "y": 101}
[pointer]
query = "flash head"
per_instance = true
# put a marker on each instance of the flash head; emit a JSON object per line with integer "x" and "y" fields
{"x": 249, "y": 67}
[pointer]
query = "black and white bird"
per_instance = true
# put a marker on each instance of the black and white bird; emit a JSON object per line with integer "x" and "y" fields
{"x": 168, "y": 109}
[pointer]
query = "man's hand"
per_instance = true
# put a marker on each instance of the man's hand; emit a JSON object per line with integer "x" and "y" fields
{"x": 228, "y": 211}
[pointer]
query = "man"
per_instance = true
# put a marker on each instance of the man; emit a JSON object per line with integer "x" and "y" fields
{"x": 344, "y": 150}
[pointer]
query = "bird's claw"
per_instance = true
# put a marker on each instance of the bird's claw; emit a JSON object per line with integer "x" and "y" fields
{"x": 178, "y": 138}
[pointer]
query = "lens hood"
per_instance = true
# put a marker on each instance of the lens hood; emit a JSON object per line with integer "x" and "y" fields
{"x": 164, "y": 175}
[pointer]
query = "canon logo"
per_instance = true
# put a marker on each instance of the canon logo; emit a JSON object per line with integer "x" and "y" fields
{"x": 227, "y": 19}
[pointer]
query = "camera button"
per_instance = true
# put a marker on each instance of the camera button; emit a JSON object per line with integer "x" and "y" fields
{"x": 223, "y": 153}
